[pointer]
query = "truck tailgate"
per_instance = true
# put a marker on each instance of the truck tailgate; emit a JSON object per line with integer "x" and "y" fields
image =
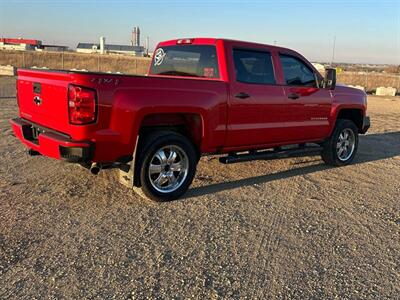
{"x": 42, "y": 97}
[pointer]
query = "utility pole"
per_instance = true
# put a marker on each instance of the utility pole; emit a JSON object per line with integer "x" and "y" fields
{"x": 147, "y": 45}
{"x": 333, "y": 50}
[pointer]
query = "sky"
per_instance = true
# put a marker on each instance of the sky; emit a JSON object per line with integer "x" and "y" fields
{"x": 366, "y": 31}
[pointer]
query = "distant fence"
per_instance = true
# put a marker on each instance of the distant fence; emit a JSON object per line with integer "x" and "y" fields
{"x": 370, "y": 80}
{"x": 70, "y": 60}
{"x": 139, "y": 65}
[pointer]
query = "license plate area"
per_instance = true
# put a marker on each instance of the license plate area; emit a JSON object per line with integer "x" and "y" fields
{"x": 31, "y": 133}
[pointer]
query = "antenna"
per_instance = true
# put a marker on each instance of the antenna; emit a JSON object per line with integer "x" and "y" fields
{"x": 333, "y": 50}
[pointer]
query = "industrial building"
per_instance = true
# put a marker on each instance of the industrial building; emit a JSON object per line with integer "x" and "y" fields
{"x": 19, "y": 44}
{"x": 110, "y": 48}
{"x": 135, "y": 41}
{"x": 56, "y": 48}
{"x": 28, "y": 44}
{"x": 134, "y": 49}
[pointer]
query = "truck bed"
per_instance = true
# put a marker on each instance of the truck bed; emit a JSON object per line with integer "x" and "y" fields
{"x": 122, "y": 103}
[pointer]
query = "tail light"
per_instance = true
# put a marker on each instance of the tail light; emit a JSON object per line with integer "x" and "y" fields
{"x": 81, "y": 105}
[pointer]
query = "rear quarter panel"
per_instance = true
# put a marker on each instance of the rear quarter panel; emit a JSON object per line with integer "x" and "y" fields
{"x": 154, "y": 95}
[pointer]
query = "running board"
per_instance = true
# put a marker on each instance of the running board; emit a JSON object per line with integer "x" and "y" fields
{"x": 271, "y": 154}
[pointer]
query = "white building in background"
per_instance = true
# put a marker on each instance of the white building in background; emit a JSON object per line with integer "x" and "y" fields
{"x": 103, "y": 48}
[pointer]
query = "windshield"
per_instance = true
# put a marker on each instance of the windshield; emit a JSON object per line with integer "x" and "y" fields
{"x": 186, "y": 60}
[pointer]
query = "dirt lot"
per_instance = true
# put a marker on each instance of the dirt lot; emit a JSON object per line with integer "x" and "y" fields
{"x": 289, "y": 228}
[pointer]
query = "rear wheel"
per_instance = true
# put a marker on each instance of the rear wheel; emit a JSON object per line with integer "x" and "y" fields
{"x": 168, "y": 166}
{"x": 342, "y": 146}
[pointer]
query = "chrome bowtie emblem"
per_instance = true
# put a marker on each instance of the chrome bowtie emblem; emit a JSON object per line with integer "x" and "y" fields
{"x": 37, "y": 100}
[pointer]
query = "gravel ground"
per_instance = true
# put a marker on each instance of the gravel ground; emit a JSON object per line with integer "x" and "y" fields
{"x": 291, "y": 228}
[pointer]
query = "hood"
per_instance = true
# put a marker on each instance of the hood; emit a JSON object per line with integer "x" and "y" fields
{"x": 349, "y": 95}
{"x": 344, "y": 89}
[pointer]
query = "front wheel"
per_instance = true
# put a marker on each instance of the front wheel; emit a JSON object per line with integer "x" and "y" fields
{"x": 168, "y": 166}
{"x": 342, "y": 146}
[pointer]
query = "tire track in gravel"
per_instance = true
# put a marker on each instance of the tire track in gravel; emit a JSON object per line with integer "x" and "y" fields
{"x": 269, "y": 243}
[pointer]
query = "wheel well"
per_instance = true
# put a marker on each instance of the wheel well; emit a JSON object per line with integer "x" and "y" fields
{"x": 187, "y": 124}
{"x": 354, "y": 115}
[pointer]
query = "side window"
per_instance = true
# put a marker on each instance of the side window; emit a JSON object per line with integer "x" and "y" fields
{"x": 296, "y": 72}
{"x": 253, "y": 66}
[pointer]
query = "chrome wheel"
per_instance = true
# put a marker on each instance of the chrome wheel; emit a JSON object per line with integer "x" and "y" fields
{"x": 168, "y": 168}
{"x": 345, "y": 144}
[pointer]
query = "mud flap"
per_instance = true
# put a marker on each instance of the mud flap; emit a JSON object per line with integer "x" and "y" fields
{"x": 126, "y": 174}
{"x": 127, "y": 178}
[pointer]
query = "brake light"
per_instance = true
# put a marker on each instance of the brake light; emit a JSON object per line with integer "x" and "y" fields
{"x": 81, "y": 105}
{"x": 185, "y": 41}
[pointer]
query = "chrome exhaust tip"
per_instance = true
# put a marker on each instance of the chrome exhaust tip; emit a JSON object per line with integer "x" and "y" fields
{"x": 95, "y": 168}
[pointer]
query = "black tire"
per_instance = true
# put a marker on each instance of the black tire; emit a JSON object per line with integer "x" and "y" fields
{"x": 151, "y": 145}
{"x": 330, "y": 153}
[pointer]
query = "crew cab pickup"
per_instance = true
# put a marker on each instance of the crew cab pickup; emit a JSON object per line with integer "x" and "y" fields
{"x": 201, "y": 96}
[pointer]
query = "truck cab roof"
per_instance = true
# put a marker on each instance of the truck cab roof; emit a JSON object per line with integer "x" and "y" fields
{"x": 214, "y": 41}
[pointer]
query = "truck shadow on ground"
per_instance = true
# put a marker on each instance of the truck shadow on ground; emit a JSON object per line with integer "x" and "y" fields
{"x": 372, "y": 147}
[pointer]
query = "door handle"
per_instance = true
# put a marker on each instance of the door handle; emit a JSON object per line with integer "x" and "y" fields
{"x": 293, "y": 96}
{"x": 242, "y": 95}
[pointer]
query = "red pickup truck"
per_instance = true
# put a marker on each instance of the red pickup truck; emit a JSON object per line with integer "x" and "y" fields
{"x": 202, "y": 96}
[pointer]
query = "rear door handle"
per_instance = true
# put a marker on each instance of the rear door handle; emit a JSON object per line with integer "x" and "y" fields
{"x": 242, "y": 95}
{"x": 293, "y": 96}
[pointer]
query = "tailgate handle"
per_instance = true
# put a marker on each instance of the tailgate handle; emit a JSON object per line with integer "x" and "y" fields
{"x": 37, "y": 87}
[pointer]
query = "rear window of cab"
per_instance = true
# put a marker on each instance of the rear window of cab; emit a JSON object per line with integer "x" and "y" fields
{"x": 186, "y": 60}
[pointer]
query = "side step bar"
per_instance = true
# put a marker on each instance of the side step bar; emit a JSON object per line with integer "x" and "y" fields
{"x": 271, "y": 154}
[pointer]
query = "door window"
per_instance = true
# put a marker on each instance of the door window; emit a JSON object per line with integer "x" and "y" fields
{"x": 296, "y": 72}
{"x": 253, "y": 66}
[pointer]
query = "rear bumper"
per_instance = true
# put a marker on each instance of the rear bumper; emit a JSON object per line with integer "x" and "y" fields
{"x": 366, "y": 124}
{"x": 51, "y": 143}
